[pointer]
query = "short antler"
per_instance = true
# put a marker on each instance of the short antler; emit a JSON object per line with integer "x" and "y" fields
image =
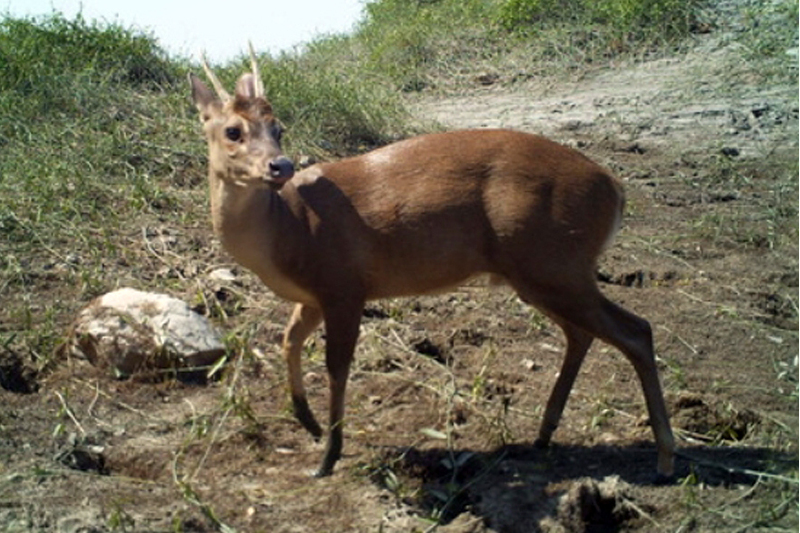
{"x": 259, "y": 85}
{"x": 221, "y": 92}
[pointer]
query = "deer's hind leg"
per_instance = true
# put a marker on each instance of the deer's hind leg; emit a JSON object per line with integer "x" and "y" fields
{"x": 583, "y": 312}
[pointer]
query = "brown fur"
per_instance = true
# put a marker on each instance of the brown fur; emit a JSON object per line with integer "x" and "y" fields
{"x": 423, "y": 215}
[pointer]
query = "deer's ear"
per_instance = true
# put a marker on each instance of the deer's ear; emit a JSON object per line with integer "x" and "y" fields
{"x": 246, "y": 87}
{"x": 206, "y": 101}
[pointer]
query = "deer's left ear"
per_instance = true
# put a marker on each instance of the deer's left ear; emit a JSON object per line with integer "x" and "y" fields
{"x": 204, "y": 99}
{"x": 246, "y": 86}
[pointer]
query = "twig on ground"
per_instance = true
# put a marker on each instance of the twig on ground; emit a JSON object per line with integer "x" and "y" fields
{"x": 737, "y": 470}
{"x": 69, "y": 413}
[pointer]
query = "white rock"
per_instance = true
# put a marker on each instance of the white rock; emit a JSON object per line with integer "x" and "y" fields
{"x": 131, "y": 330}
{"x": 223, "y": 275}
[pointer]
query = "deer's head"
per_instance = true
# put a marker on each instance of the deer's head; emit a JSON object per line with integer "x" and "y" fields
{"x": 244, "y": 138}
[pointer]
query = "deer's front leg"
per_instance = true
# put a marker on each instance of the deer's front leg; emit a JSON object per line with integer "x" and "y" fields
{"x": 303, "y": 321}
{"x": 341, "y": 328}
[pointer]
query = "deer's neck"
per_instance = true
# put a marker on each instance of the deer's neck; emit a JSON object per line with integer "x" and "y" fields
{"x": 232, "y": 211}
{"x": 261, "y": 233}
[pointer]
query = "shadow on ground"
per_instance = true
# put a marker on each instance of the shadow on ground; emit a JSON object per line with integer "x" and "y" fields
{"x": 562, "y": 488}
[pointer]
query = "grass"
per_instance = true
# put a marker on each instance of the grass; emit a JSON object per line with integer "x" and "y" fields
{"x": 769, "y": 221}
{"x": 768, "y": 38}
{"x": 445, "y": 44}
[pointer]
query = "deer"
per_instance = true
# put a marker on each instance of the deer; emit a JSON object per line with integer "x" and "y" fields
{"x": 418, "y": 216}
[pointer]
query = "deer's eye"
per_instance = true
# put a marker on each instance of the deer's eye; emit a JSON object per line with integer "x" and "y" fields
{"x": 277, "y": 132}
{"x": 233, "y": 134}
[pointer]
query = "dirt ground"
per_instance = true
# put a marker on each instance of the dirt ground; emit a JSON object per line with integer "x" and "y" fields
{"x": 448, "y": 391}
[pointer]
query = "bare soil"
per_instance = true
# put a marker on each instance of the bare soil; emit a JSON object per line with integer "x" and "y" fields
{"x": 447, "y": 392}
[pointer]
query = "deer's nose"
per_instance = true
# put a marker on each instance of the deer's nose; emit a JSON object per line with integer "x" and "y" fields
{"x": 281, "y": 168}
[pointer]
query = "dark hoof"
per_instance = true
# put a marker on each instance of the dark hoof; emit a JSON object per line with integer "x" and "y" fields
{"x": 322, "y": 472}
{"x": 541, "y": 444}
{"x": 315, "y": 431}
{"x": 306, "y": 418}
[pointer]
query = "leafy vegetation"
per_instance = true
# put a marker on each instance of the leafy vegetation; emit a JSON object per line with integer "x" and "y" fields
{"x": 440, "y": 42}
{"x": 633, "y": 20}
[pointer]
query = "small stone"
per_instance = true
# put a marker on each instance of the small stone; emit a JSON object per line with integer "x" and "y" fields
{"x": 306, "y": 161}
{"x": 222, "y": 275}
{"x": 730, "y": 151}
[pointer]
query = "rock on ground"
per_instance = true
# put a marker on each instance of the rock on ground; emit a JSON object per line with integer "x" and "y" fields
{"x": 130, "y": 330}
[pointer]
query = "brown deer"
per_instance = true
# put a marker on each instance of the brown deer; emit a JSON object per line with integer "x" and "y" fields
{"x": 417, "y": 216}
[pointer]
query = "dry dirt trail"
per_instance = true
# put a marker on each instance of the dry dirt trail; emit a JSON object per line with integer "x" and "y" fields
{"x": 447, "y": 391}
{"x": 698, "y": 102}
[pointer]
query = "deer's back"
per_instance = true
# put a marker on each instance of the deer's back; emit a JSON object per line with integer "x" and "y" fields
{"x": 434, "y": 210}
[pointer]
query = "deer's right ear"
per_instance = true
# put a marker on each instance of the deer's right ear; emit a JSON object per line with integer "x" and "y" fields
{"x": 205, "y": 100}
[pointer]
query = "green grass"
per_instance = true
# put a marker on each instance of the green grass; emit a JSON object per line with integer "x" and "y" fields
{"x": 770, "y": 33}
{"x": 445, "y": 43}
{"x": 768, "y": 220}
{"x": 630, "y": 20}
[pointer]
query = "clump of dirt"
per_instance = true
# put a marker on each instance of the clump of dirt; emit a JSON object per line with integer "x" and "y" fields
{"x": 712, "y": 421}
{"x": 590, "y": 505}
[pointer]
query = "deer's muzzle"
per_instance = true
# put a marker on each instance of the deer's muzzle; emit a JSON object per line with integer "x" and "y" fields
{"x": 281, "y": 169}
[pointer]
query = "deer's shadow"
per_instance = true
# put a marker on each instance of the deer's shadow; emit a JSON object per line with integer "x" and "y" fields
{"x": 518, "y": 487}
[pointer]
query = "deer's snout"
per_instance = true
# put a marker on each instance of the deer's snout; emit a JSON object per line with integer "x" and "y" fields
{"x": 281, "y": 168}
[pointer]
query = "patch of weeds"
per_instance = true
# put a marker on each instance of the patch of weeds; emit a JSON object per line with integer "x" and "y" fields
{"x": 538, "y": 322}
{"x": 478, "y": 389}
{"x": 689, "y": 486}
{"x": 749, "y": 203}
{"x": 36, "y": 334}
{"x": 601, "y": 417}
{"x": 449, "y": 496}
{"x": 384, "y": 472}
{"x": 328, "y": 111}
{"x": 598, "y": 28}
{"x": 191, "y": 496}
{"x": 767, "y": 503}
{"x": 786, "y": 375}
{"x": 236, "y": 399}
{"x": 769, "y": 33}
{"x": 205, "y": 427}
{"x": 497, "y": 432}
{"x": 241, "y": 407}
{"x": 199, "y": 425}
{"x": 736, "y": 227}
{"x": 773, "y": 510}
{"x": 676, "y": 374}
{"x": 396, "y": 312}
{"x": 727, "y": 173}
{"x": 429, "y": 42}
{"x": 119, "y": 519}
{"x": 714, "y": 423}
{"x": 220, "y": 303}
{"x": 314, "y": 351}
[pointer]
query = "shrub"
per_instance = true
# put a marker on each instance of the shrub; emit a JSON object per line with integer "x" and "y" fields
{"x": 633, "y": 19}
{"x": 32, "y": 49}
